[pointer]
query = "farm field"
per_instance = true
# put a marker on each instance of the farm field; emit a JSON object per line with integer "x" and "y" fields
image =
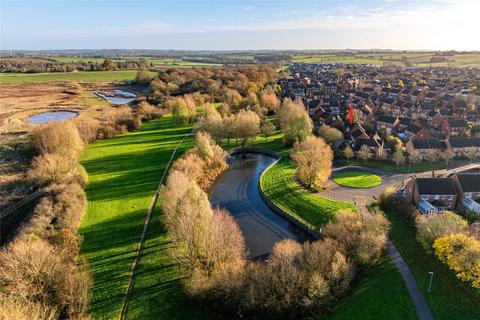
{"x": 419, "y": 59}
{"x": 123, "y": 175}
{"x": 155, "y": 61}
{"x": 356, "y": 179}
{"x": 449, "y": 298}
{"x": 85, "y": 76}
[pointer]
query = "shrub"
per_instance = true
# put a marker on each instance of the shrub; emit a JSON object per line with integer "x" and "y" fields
{"x": 436, "y": 225}
{"x": 361, "y": 236}
{"x": 122, "y": 119}
{"x": 330, "y": 134}
{"x": 462, "y": 255}
{"x": 61, "y": 208}
{"x": 16, "y": 309}
{"x": 389, "y": 201}
{"x": 36, "y": 272}
{"x": 148, "y": 112}
{"x": 58, "y": 137}
{"x": 87, "y": 128}
{"x": 52, "y": 168}
{"x": 191, "y": 165}
{"x": 297, "y": 281}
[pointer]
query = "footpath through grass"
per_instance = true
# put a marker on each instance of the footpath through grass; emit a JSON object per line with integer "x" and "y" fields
{"x": 357, "y": 179}
{"x": 380, "y": 293}
{"x": 123, "y": 175}
{"x": 449, "y": 299}
{"x": 86, "y": 76}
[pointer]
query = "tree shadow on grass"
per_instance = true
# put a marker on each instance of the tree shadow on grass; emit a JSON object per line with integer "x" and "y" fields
{"x": 158, "y": 283}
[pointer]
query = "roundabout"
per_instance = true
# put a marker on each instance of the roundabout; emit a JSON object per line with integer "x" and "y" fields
{"x": 357, "y": 179}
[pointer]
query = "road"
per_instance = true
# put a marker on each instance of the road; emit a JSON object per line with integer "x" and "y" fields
{"x": 337, "y": 192}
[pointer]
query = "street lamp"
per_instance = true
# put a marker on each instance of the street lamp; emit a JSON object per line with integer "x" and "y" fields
{"x": 430, "y": 284}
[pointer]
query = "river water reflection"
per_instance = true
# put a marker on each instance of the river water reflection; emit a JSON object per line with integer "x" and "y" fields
{"x": 237, "y": 191}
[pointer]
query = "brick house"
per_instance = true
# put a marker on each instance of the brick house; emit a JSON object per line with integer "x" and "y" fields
{"x": 441, "y": 193}
{"x": 460, "y": 146}
{"x": 454, "y": 126}
{"x": 422, "y": 147}
{"x": 468, "y": 185}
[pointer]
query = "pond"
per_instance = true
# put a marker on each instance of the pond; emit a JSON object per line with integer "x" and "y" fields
{"x": 237, "y": 190}
{"x": 118, "y": 96}
{"x": 51, "y": 116}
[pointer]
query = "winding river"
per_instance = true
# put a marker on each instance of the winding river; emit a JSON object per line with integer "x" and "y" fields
{"x": 237, "y": 190}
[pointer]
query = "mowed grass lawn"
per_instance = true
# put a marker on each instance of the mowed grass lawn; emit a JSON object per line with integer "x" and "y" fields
{"x": 123, "y": 175}
{"x": 87, "y": 76}
{"x": 449, "y": 299}
{"x": 280, "y": 186}
{"x": 357, "y": 179}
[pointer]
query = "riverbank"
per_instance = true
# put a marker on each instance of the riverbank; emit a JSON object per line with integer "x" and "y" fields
{"x": 380, "y": 293}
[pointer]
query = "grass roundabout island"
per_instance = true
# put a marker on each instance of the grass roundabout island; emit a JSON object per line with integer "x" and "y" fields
{"x": 357, "y": 179}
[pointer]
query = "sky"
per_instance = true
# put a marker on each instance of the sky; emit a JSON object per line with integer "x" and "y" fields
{"x": 240, "y": 25}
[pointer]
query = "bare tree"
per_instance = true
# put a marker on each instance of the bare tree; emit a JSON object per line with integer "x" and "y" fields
{"x": 267, "y": 129}
{"x": 330, "y": 134}
{"x": 398, "y": 158}
{"x": 313, "y": 158}
{"x": 348, "y": 153}
{"x": 365, "y": 153}
{"x": 246, "y": 126}
{"x": 294, "y": 121}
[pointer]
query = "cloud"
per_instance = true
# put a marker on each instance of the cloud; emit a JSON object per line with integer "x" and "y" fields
{"x": 247, "y": 8}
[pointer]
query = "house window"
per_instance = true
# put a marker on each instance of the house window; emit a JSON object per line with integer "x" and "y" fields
{"x": 437, "y": 197}
{"x": 443, "y": 197}
{"x": 450, "y": 197}
{"x": 424, "y": 197}
{"x": 468, "y": 195}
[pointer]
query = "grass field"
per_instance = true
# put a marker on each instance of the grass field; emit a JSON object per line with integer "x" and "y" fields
{"x": 357, "y": 179}
{"x": 380, "y": 294}
{"x": 419, "y": 59}
{"x": 449, "y": 299}
{"x": 86, "y": 76}
{"x": 123, "y": 175}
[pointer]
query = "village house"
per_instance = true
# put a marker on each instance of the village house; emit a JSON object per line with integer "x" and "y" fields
{"x": 468, "y": 187}
{"x": 416, "y": 132}
{"x": 464, "y": 146}
{"x": 454, "y": 126}
{"x": 388, "y": 122}
{"x": 432, "y": 194}
{"x": 423, "y": 147}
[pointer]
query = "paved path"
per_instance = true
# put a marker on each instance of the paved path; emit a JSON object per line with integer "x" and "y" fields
{"x": 421, "y": 305}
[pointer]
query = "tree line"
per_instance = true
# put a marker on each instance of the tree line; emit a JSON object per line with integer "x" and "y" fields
{"x": 26, "y": 65}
